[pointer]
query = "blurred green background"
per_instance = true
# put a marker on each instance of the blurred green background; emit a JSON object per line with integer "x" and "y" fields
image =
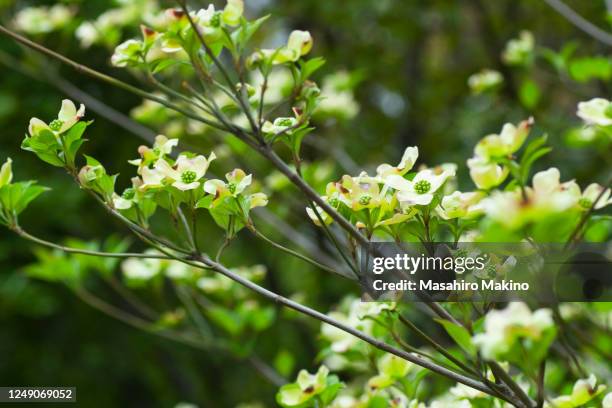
{"x": 409, "y": 63}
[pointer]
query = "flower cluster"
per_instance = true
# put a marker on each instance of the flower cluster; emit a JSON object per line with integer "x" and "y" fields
{"x": 317, "y": 389}
{"x": 170, "y": 183}
{"x": 43, "y": 20}
{"x": 172, "y": 36}
{"x": 597, "y": 111}
{"x": 487, "y": 168}
{"x": 107, "y": 28}
{"x": 505, "y": 328}
{"x": 584, "y": 391}
{"x": 485, "y": 80}
{"x": 548, "y": 196}
{"x": 519, "y": 51}
{"x": 395, "y": 195}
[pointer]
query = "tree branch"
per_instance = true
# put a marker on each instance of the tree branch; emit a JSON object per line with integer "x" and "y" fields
{"x": 580, "y": 22}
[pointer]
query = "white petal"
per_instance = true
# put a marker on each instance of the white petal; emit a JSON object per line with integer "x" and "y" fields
{"x": 68, "y": 111}
{"x": 186, "y": 186}
{"x": 212, "y": 186}
{"x": 164, "y": 168}
{"x": 36, "y": 125}
{"x": 409, "y": 157}
{"x": 411, "y": 198}
{"x": 259, "y": 200}
{"x": 545, "y": 182}
{"x": 592, "y": 193}
{"x": 244, "y": 183}
{"x": 398, "y": 183}
{"x": 6, "y": 173}
{"x": 151, "y": 178}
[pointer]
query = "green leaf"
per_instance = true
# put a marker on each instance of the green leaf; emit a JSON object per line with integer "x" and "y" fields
{"x": 533, "y": 151}
{"x": 17, "y": 196}
{"x": 460, "y": 334}
{"x": 242, "y": 35}
{"x": 75, "y": 132}
{"x": 226, "y": 319}
{"x": 331, "y": 390}
{"x": 529, "y": 94}
{"x": 45, "y": 145}
{"x": 162, "y": 64}
{"x": 309, "y": 67}
{"x": 588, "y": 68}
{"x": 284, "y": 362}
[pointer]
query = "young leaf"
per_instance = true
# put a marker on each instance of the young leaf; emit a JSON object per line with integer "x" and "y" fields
{"x": 460, "y": 335}
{"x": 309, "y": 67}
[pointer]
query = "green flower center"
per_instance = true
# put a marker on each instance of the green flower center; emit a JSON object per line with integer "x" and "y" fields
{"x": 215, "y": 21}
{"x": 129, "y": 193}
{"x": 231, "y": 187}
{"x": 334, "y": 202}
{"x": 56, "y": 125}
{"x": 585, "y": 203}
{"x": 188, "y": 176}
{"x": 284, "y": 122}
{"x": 365, "y": 199}
{"x": 490, "y": 271}
{"x": 422, "y": 187}
{"x": 156, "y": 151}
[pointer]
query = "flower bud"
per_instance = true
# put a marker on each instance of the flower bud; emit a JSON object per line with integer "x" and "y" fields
{"x": 6, "y": 173}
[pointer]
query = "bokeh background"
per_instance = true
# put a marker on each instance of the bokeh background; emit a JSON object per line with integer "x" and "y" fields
{"x": 408, "y": 64}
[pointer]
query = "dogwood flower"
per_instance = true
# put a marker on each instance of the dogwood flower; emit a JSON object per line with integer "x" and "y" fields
{"x": 138, "y": 269}
{"x": 209, "y": 22}
{"x": 280, "y": 125}
{"x": 518, "y": 50}
{"x": 152, "y": 178}
{"x": 584, "y": 390}
{"x": 484, "y": 80}
{"x": 66, "y": 118}
{"x": 299, "y": 44}
{"x": 42, "y": 20}
{"x": 509, "y": 140}
{"x": 129, "y": 196}
{"x": 549, "y": 192}
{"x": 607, "y": 401}
{"x": 337, "y": 98}
{"x": 237, "y": 182}
{"x": 460, "y": 205}
{"x": 161, "y": 147}
{"x": 305, "y": 388}
{"x": 547, "y": 196}
{"x": 361, "y": 192}
{"x": 390, "y": 369}
{"x": 590, "y": 195}
{"x": 502, "y": 328}
{"x": 128, "y": 53}
{"x": 597, "y": 111}
{"x": 232, "y": 12}
{"x": 406, "y": 163}
{"x": 419, "y": 191}
{"x": 186, "y": 172}
{"x": 6, "y": 172}
{"x": 486, "y": 175}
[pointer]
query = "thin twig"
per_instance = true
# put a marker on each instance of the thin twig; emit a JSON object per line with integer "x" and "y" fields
{"x": 580, "y": 22}
{"x": 19, "y": 231}
{"x": 297, "y": 254}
